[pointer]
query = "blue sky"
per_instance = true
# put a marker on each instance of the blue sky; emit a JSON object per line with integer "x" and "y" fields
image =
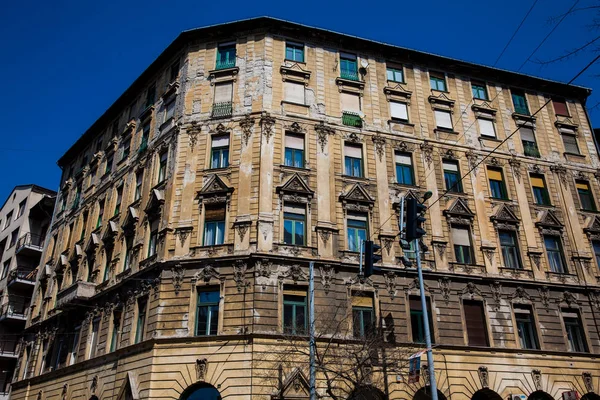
{"x": 65, "y": 62}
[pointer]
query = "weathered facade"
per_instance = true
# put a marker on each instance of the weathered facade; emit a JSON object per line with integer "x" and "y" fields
{"x": 189, "y": 211}
{"x": 24, "y": 220}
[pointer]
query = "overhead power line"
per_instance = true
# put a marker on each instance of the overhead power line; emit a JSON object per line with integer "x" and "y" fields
{"x": 515, "y": 32}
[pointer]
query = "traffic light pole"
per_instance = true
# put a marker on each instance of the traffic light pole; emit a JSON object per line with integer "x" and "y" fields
{"x": 432, "y": 382}
{"x": 311, "y": 331}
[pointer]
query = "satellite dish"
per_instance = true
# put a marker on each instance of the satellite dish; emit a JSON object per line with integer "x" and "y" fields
{"x": 364, "y": 64}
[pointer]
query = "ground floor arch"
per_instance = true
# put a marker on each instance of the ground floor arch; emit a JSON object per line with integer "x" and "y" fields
{"x": 367, "y": 392}
{"x": 539, "y": 395}
{"x": 425, "y": 394}
{"x": 201, "y": 391}
{"x": 590, "y": 396}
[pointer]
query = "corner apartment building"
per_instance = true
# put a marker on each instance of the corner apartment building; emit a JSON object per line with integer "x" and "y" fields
{"x": 24, "y": 220}
{"x": 188, "y": 213}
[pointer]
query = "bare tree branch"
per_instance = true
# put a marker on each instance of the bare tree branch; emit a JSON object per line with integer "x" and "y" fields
{"x": 552, "y": 20}
{"x": 569, "y": 54}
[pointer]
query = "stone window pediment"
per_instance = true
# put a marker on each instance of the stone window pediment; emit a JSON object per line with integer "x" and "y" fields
{"x": 130, "y": 127}
{"x": 154, "y": 205}
{"x": 215, "y": 191}
{"x": 459, "y": 213}
{"x": 592, "y": 229}
{"x": 441, "y": 101}
{"x": 504, "y": 217}
{"x": 92, "y": 243}
{"x": 170, "y": 90}
{"x": 357, "y": 198}
{"x": 110, "y": 233}
{"x": 223, "y": 75}
{"x": 398, "y": 92}
{"x": 295, "y": 386}
{"x": 566, "y": 125}
{"x": 549, "y": 223}
{"x": 350, "y": 86}
{"x": 483, "y": 109}
{"x": 295, "y": 189}
{"x": 130, "y": 221}
{"x": 295, "y": 73}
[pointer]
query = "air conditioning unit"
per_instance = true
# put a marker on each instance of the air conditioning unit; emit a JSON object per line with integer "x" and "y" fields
{"x": 517, "y": 397}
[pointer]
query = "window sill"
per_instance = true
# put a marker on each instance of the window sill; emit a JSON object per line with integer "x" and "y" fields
{"x": 578, "y": 155}
{"x": 355, "y": 178}
{"x": 583, "y": 210}
{"x": 295, "y": 61}
{"x": 290, "y": 167}
{"x": 502, "y": 199}
{"x": 166, "y": 124}
{"x": 439, "y": 91}
{"x": 160, "y": 185}
{"x": 214, "y": 170}
{"x": 545, "y": 205}
{"x": 396, "y": 82}
{"x": 490, "y": 138}
{"x": 294, "y": 103}
{"x": 400, "y": 121}
{"x": 445, "y": 130}
{"x": 405, "y": 185}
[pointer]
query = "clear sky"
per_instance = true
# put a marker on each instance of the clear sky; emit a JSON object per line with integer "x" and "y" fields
{"x": 65, "y": 62}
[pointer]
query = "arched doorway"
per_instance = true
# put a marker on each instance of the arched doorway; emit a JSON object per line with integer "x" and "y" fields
{"x": 486, "y": 394}
{"x": 425, "y": 394}
{"x": 201, "y": 391}
{"x": 590, "y": 396}
{"x": 539, "y": 395}
{"x": 367, "y": 392}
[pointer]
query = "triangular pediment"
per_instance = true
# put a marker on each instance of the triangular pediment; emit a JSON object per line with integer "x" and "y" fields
{"x": 215, "y": 184}
{"x": 357, "y": 193}
{"x": 442, "y": 98}
{"x": 156, "y": 200}
{"x": 593, "y": 225}
{"x": 397, "y": 90}
{"x": 92, "y": 243}
{"x": 295, "y": 184}
{"x": 128, "y": 390}
{"x": 110, "y": 232}
{"x": 504, "y": 213}
{"x": 549, "y": 220}
{"x": 295, "y": 386}
{"x": 131, "y": 218}
{"x": 295, "y": 69}
{"x": 459, "y": 207}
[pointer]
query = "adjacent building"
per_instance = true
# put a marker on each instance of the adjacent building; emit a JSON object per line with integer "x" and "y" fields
{"x": 24, "y": 221}
{"x": 188, "y": 213}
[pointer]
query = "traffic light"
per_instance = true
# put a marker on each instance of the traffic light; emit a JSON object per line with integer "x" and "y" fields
{"x": 371, "y": 257}
{"x": 414, "y": 219}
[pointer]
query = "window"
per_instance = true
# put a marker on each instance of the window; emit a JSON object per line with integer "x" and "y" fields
{"x": 540, "y": 192}
{"x": 530, "y": 147}
{"x": 294, "y": 311}
{"x": 226, "y": 56}
{"x": 152, "y": 242}
{"x": 114, "y": 339}
{"x": 294, "y": 92}
{"x": 363, "y": 316}
{"x": 214, "y": 225}
{"x": 497, "y": 186}
{"x": 475, "y": 320}
{"x": 348, "y": 66}
{"x": 94, "y": 338}
{"x": 438, "y": 81}
{"x": 350, "y": 102}
{"x": 174, "y": 71}
{"x": 126, "y": 146}
{"x": 169, "y": 110}
{"x": 207, "y": 312}
{"x": 150, "y": 96}
{"x": 395, "y": 74}
{"x": 70, "y": 233}
{"x": 596, "y": 247}
{"x": 5, "y": 269}
{"x": 223, "y": 92}
{"x": 21, "y": 208}
{"x": 526, "y": 327}
{"x": 294, "y": 52}
{"x": 139, "y": 179}
{"x": 452, "y": 176}
{"x": 510, "y": 249}
{"x": 220, "y": 151}
{"x": 162, "y": 167}
{"x": 77, "y": 196}
{"x": 555, "y": 254}
{"x": 357, "y": 230}
{"x": 479, "y": 90}
{"x": 100, "y": 213}
{"x": 520, "y": 102}
{"x": 14, "y": 236}
{"x": 486, "y": 127}
{"x": 443, "y": 119}
{"x": 294, "y": 150}
{"x": 75, "y": 346}
{"x": 399, "y": 111}
{"x": 84, "y": 219}
{"x": 128, "y": 252}
{"x": 8, "y": 220}
{"x": 575, "y": 335}
{"x": 560, "y": 107}
{"x": 404, "y": 169}
{"x": 140, "y": 329}
{"x": 115, "y": 127}
{"x": 570, "y": 142}
{"x": 109, "y": 163}
{"x": 98, "y": 146}
{"x": 118, "y": 200}
{"x": 417, "y": 320}
{"x": 353, "y": 160}
{"x": 585, "y": 196}
{"x": 145, "y": 137}
{"x": 108, "y": 252}
{"x": 461, "y": 239}
{"x": 294, "y": 224}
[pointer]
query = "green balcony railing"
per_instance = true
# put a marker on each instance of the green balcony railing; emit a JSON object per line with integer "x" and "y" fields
{"x": 530, "y": 149}
{"x": 351, "y": 119}
{"x": 521, "y": 110}
{"x": 349, "y": 74}
{"x": 221, "y": 110}
{"x": 224, "y": 64}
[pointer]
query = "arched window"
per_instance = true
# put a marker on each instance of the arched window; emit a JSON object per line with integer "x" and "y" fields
{"x": 539, "y": 395}
{"x": 201, "y": 391}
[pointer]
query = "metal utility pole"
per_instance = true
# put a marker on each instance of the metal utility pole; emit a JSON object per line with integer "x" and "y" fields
{"x": 311, "y": 331}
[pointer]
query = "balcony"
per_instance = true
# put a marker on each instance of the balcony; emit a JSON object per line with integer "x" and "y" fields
{"x": 349, "y": 75}
{"x": 8, "y": 349}
{"x": 222, "y": 110}
{"x": 351, "y": 119}
{"x": 530, "y": 149}
{"x": 30, "y": 244}
{"x": 75, "y": 294}
{"x": 21, "y": 277}
{"x": 224, "y": 64}
{"x": 14, "y": 310}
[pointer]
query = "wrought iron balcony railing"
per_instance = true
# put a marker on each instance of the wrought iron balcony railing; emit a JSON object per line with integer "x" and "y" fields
{"x": 224, "y": 64}
{"x": 530, "y": 149}
{"x": 349, "y": 74}
{"x": 30, "y": 240}
{"x": 351, "y": 119}
{"x": 221, "y": 110}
